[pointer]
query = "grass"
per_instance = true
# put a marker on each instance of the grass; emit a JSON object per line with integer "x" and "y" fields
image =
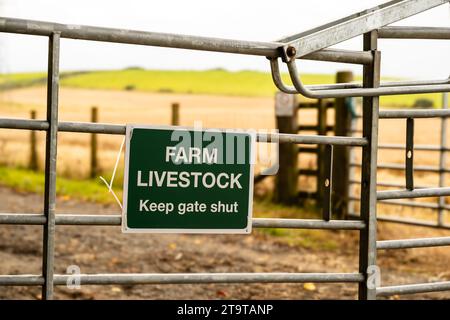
{"x": 210, "y": 82}
{"x": 25, "y": 180}
{"x": 214, "y": 82}
{"x": 21, "y": 77}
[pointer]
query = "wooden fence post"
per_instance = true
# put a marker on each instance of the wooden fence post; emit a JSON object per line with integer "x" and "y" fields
{"x": 286, "y": 180}
{"x": 94, "y": 161}
{"x": 175, "y": 114}
{"x": 341, "y": 170}
{"x": 33, "y": 163}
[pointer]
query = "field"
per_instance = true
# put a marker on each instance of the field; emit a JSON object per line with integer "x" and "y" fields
{"x": 295, "y": 250}
{"x": 210, "y": 82}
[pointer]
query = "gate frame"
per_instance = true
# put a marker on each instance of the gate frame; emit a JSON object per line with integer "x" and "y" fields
{"x": 369, "y": 58}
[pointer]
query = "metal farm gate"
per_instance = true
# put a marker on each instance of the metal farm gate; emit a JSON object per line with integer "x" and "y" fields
{"x": 440, "y": 208}
{"x": 310, "y": 45}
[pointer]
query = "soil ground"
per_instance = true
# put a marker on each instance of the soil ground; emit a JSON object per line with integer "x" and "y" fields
{"x": 107, "y": 250}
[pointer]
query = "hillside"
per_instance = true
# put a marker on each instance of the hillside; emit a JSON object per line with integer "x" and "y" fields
{"x": 217, "y": 82}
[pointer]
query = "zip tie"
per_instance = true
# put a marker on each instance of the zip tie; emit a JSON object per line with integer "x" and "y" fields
{"x": 113, "y": 175}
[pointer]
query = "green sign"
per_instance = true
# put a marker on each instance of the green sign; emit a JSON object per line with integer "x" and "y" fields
{"x": 180, "y": 180}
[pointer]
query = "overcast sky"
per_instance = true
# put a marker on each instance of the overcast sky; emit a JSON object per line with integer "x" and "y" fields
{"x": 239, "y": 19}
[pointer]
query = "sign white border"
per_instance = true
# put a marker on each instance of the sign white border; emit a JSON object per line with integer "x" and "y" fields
{"x": 128, "y": 135}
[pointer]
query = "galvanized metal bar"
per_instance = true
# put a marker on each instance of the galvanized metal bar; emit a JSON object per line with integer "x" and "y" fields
{"x": 120, "y": 129}
{"x": 424, "y": 33}
{"x": 21, "y": 280}
{"x": 349, "y": 89}
{"x": 308, "y": 224}
{"x": 355, "y": 85}
{"x": 41, "y": 28}
{"x": 417, "y": 113}
{"x": 413, "y": 243}
{"x": 327, "y": 184}
{"x": 258, "y": 48}
{"x": 413, "y": 288}
{"x": 368, "y": 236}
{"x": 351, "y": 26}
{"x": 417, "y": 193}
{"x": 341, "y": 56}
{"x": 187, "y": 278}
{"x": 442, "y": 159}
{"x": 116, "y": 220}
{"x": 341, "y": 93}
{"x": 50, "y": 166}
{"x": 409, "y": 154}
{"x": 23, "y": 124}
{"x": 23, "y": 218}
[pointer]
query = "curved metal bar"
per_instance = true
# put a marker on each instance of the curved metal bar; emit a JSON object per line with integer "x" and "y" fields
{"x": 361, "y": 92}
{"x": 276, "y": 77}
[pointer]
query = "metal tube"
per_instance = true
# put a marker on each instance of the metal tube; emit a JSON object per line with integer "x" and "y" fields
{"x": 368, "y": 236}
{"x": 351, "y": 89}
{"x": 308, "y": 224}
{"x": 436, "y": 33}
{"x": 41, "y": 28}
{"x": 312, "y": 139}
{"x": 442, "y": 159}
{"x": 23, "y": 218}
{"x": 116, "y": 220}
{"x": 21, "y": 280}
{"x": 417, "y": 193}
{"x": 186, "y": 278}
{"x": 408, "y": 113}
{"x": 364, "y": 92}
{"x": 414, "y": 288}
{"x": 50, "y": 166}
{"x": 120, "y": 129}
{"x": 413, "y": 243}
{"x": 342, "y": 56}
{"x": 356, "y": 24}
{"x": 11, "y": 123}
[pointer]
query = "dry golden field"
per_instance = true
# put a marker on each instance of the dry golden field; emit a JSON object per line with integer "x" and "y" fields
{"x": 91, "y": 249}
{"x": 214, "y": 111}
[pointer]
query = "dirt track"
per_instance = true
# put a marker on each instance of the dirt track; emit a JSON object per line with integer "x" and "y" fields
{"x": 105, "y": 249}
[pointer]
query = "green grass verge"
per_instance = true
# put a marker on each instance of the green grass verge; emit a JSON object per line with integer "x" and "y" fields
{"x": 25, "y": 180}
{"x": 21, "y": 78}
{"x": 210, "y": 82}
